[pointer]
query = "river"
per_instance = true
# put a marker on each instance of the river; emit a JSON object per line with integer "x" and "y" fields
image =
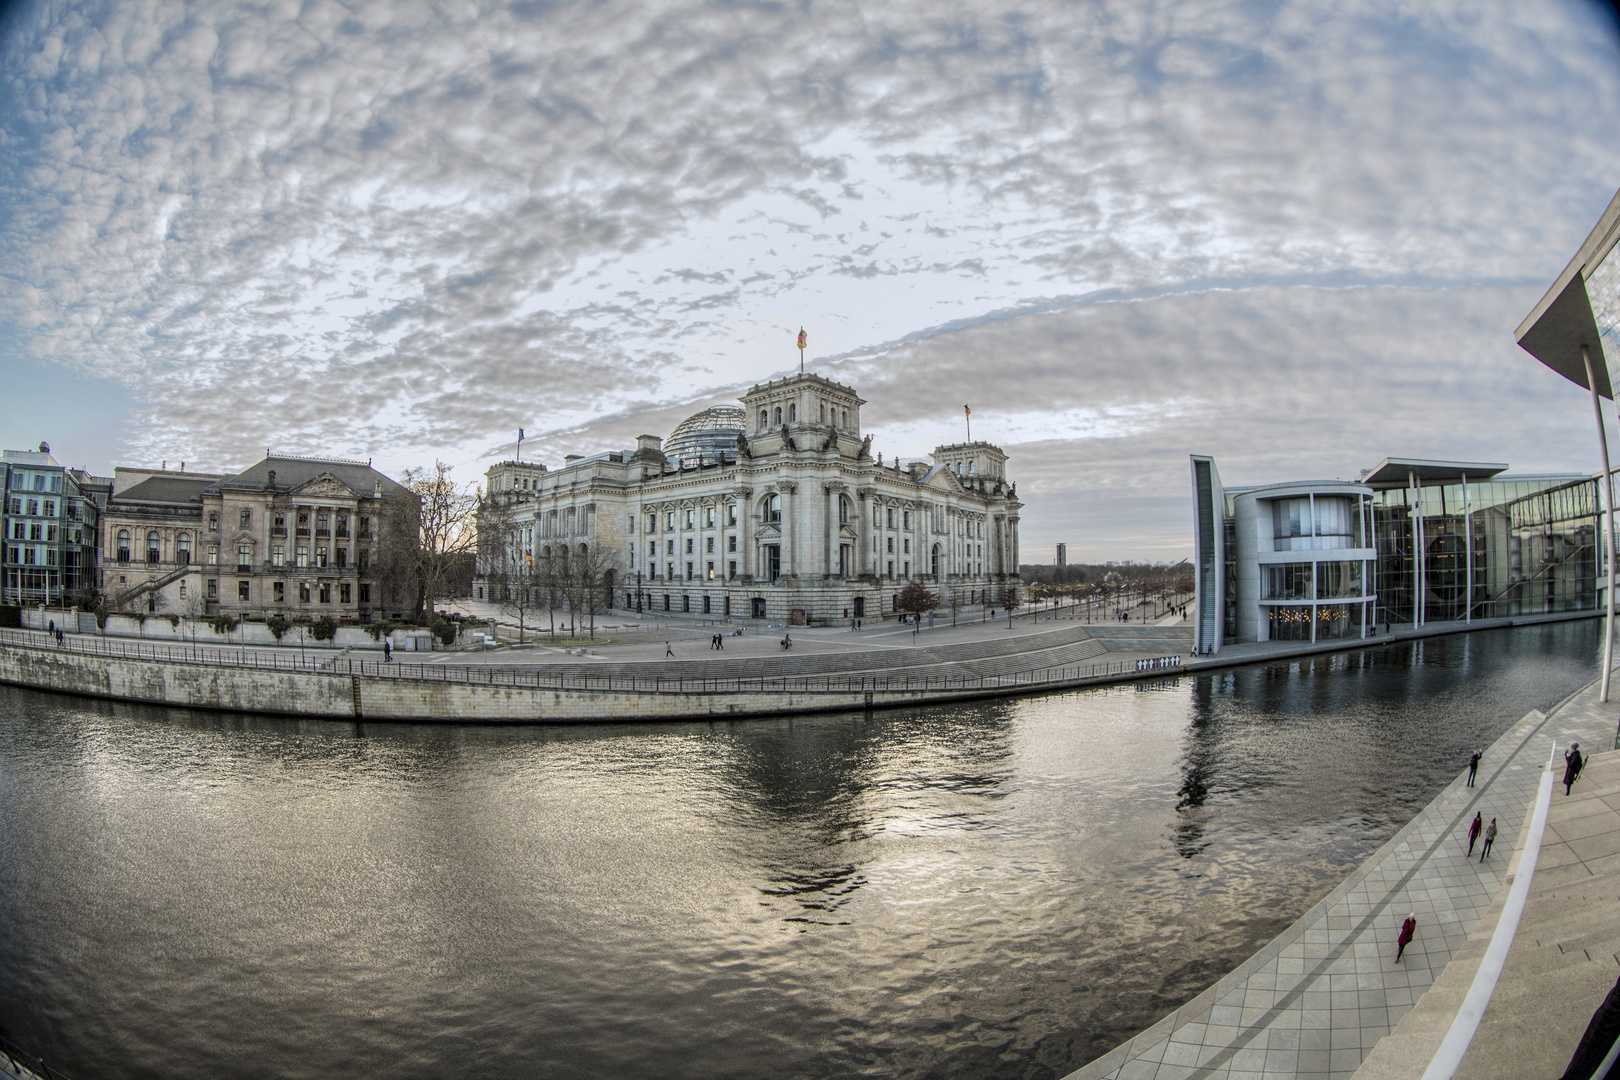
{"x": 993, "y": 889}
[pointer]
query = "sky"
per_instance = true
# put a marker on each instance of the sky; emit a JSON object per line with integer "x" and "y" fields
{"x": 1295, "y": 235}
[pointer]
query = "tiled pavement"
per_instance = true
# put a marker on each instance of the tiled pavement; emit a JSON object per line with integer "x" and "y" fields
{"x": 1316, "y": 1000}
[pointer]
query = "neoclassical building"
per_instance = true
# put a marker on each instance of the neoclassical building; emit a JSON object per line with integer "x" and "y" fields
{"x": 293, "y": 536}
{"x": 773, "y": 510}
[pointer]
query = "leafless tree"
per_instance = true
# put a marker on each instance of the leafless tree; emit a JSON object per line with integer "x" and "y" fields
{"x": 594, "y": 569}
{"x": 508, "y": 569}
{"x": 428, "y": 531}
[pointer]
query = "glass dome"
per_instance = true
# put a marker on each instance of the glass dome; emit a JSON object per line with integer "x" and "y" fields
{"x": 709, "y": 436}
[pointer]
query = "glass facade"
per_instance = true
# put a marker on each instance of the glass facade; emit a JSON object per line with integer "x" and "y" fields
{"x": 1603, "y": 290}
{"x": 1520, "y": 546}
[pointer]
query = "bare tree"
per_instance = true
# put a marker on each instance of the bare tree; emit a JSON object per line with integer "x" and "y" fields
{"x": 509, "y": 570}
{"x": 595, "y": 569}
{"x": 428, "y": 532}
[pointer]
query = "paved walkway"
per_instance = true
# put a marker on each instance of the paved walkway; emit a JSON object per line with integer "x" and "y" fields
{"x": 1315, "y": 1001}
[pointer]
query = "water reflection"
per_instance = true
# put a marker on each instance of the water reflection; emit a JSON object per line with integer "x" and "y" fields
{"x": 987, "y": 889}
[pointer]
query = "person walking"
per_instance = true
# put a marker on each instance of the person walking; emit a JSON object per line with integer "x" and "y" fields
{"x": 720, "y": 641}
{"x": 1473, "y": 766}
{"x": 667, "y": 650}
{"x": 388, "y": 650}
{"x": 1474, "y": 829}
{"x": 1408, "y": 932}
{"x": 1490, "y": 838}
{"x": 1572, "y": 765}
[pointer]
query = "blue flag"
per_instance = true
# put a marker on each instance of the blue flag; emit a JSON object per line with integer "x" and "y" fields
{"x": 520, "y": 434}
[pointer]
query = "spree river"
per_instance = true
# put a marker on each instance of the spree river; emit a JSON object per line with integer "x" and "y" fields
{"x": 995, "y": 889}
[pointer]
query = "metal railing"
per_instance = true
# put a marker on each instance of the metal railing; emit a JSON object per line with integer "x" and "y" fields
{"x": 532, "y": 676}
{"x": 15, "y": 1061}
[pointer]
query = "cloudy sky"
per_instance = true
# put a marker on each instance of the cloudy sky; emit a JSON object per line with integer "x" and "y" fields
{"x": 1296, "y": 235}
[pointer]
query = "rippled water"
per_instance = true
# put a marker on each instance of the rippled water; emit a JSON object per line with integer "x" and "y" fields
{"x": 981, "y": 890}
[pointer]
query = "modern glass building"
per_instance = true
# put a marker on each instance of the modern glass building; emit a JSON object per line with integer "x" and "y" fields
{"x": 49, "y": 520}
{"x": 1409, "y": 542}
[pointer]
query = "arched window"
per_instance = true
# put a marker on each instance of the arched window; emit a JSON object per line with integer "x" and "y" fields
{"x": 779, "y": 414}
{"x": 843, "y": 509}
{"x": 935, "y": 562}
{"x": 584, "y": 551}
{"x": 970, "y": 467}
{"x": 843, "y": 418}
{"x": 793, "y": 413}
{"x": 123, "y": 545}
{"x": 182, "y": 548}
{"x": 154, "y": 548}
{"x": 764, "y": 419}
{"x": 771, "y": 512}
{"x": 823, "y": 412}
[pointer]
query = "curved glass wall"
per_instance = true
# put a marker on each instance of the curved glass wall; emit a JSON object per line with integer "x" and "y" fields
{"x": 1321, "y": 523}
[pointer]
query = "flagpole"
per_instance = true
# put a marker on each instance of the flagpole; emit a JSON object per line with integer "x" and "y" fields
{"x": 968, "y": 414}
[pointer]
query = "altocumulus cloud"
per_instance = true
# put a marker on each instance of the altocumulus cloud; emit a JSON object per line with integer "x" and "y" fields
{"x": 1122, "y": 230}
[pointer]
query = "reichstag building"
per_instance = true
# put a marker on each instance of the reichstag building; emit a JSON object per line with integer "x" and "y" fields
{"x": 775, "y": 510}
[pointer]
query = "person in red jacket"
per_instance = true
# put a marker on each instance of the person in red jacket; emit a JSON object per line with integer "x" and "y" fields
{"x": 1408, "y": 932}
{"x": 1474, "y": 830}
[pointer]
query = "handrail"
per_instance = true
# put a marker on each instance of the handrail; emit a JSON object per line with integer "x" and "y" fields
{"x": 535, "y": 676}
{"x": 20, "y": 1062}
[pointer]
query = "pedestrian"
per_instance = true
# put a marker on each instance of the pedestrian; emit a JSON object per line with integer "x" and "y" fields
{"x": 1473, "y": 766}
{"x": 1490, "y": 838}
{"x": 51, "y": 627}
{"x": 388, "y": 650}
{"x": 720, "y": 641}
{"x": 1474, "y": 829}
{"x": 1408, "y": 932}
{"x": 667, "y": 650}
{"x": 1572, "y": 765}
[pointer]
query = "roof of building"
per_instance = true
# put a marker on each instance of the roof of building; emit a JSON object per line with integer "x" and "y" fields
{"x": 1399, "y": 472}
{"x": 165, "y": 489}
{"x": 1561, "y": 325}
{"x": 292, "y": 472}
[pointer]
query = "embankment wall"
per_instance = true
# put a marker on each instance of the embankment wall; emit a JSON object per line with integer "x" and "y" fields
{"x": 347, "y": 696}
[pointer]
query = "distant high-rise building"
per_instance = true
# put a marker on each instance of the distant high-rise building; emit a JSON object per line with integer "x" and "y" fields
{"x": 1063, "y": 555}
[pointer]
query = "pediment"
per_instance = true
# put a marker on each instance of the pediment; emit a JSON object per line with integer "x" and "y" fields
{"x": 325, "y": 485}
{"x": 769, "y": 531}
{"x": 847, "y": 531}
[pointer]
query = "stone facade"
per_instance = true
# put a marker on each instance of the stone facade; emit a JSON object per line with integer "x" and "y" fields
{"x": 796, "y": 523}
{"x": 292, "y": 536}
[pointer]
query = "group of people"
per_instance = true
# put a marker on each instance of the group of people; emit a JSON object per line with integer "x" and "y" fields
{"x": 718, "y": 641}
{"x": 1574, "y": 762}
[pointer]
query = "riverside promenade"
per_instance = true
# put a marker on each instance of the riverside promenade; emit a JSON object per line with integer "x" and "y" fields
{"x": 1317, "y": 1000}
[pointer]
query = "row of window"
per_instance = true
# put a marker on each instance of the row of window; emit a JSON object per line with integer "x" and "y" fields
{"x": 323, "y": 520}
{"x": 38, "y": 507}
{"x": 776, "y": 417}
{"x": 22, "y": 480}
{"x": 308, "y": 591}
{"x": 33, "y": 530}
{"x": 244, "y": 553}
{"x": 770, "y": 513}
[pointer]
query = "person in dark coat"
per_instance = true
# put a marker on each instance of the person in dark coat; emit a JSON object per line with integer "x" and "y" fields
{"x": 1473, "y": 766}
{"x": 1490, "y": 838}
{"x": 1572, "y": 765}
{"x": 1408, "y": 932}
{"x": 1474, "y": 830}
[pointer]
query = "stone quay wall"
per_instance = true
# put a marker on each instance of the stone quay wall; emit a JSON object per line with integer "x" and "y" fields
{"x": 339, "y": 689}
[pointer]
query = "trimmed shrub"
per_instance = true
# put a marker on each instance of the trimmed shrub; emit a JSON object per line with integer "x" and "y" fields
{"x": 445, "y": 631}
{"x": 174, "y": 620}
{"x": 324, "y": 628}
{"x": 223, "y": 624}
{"x": 277, "y": 625}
